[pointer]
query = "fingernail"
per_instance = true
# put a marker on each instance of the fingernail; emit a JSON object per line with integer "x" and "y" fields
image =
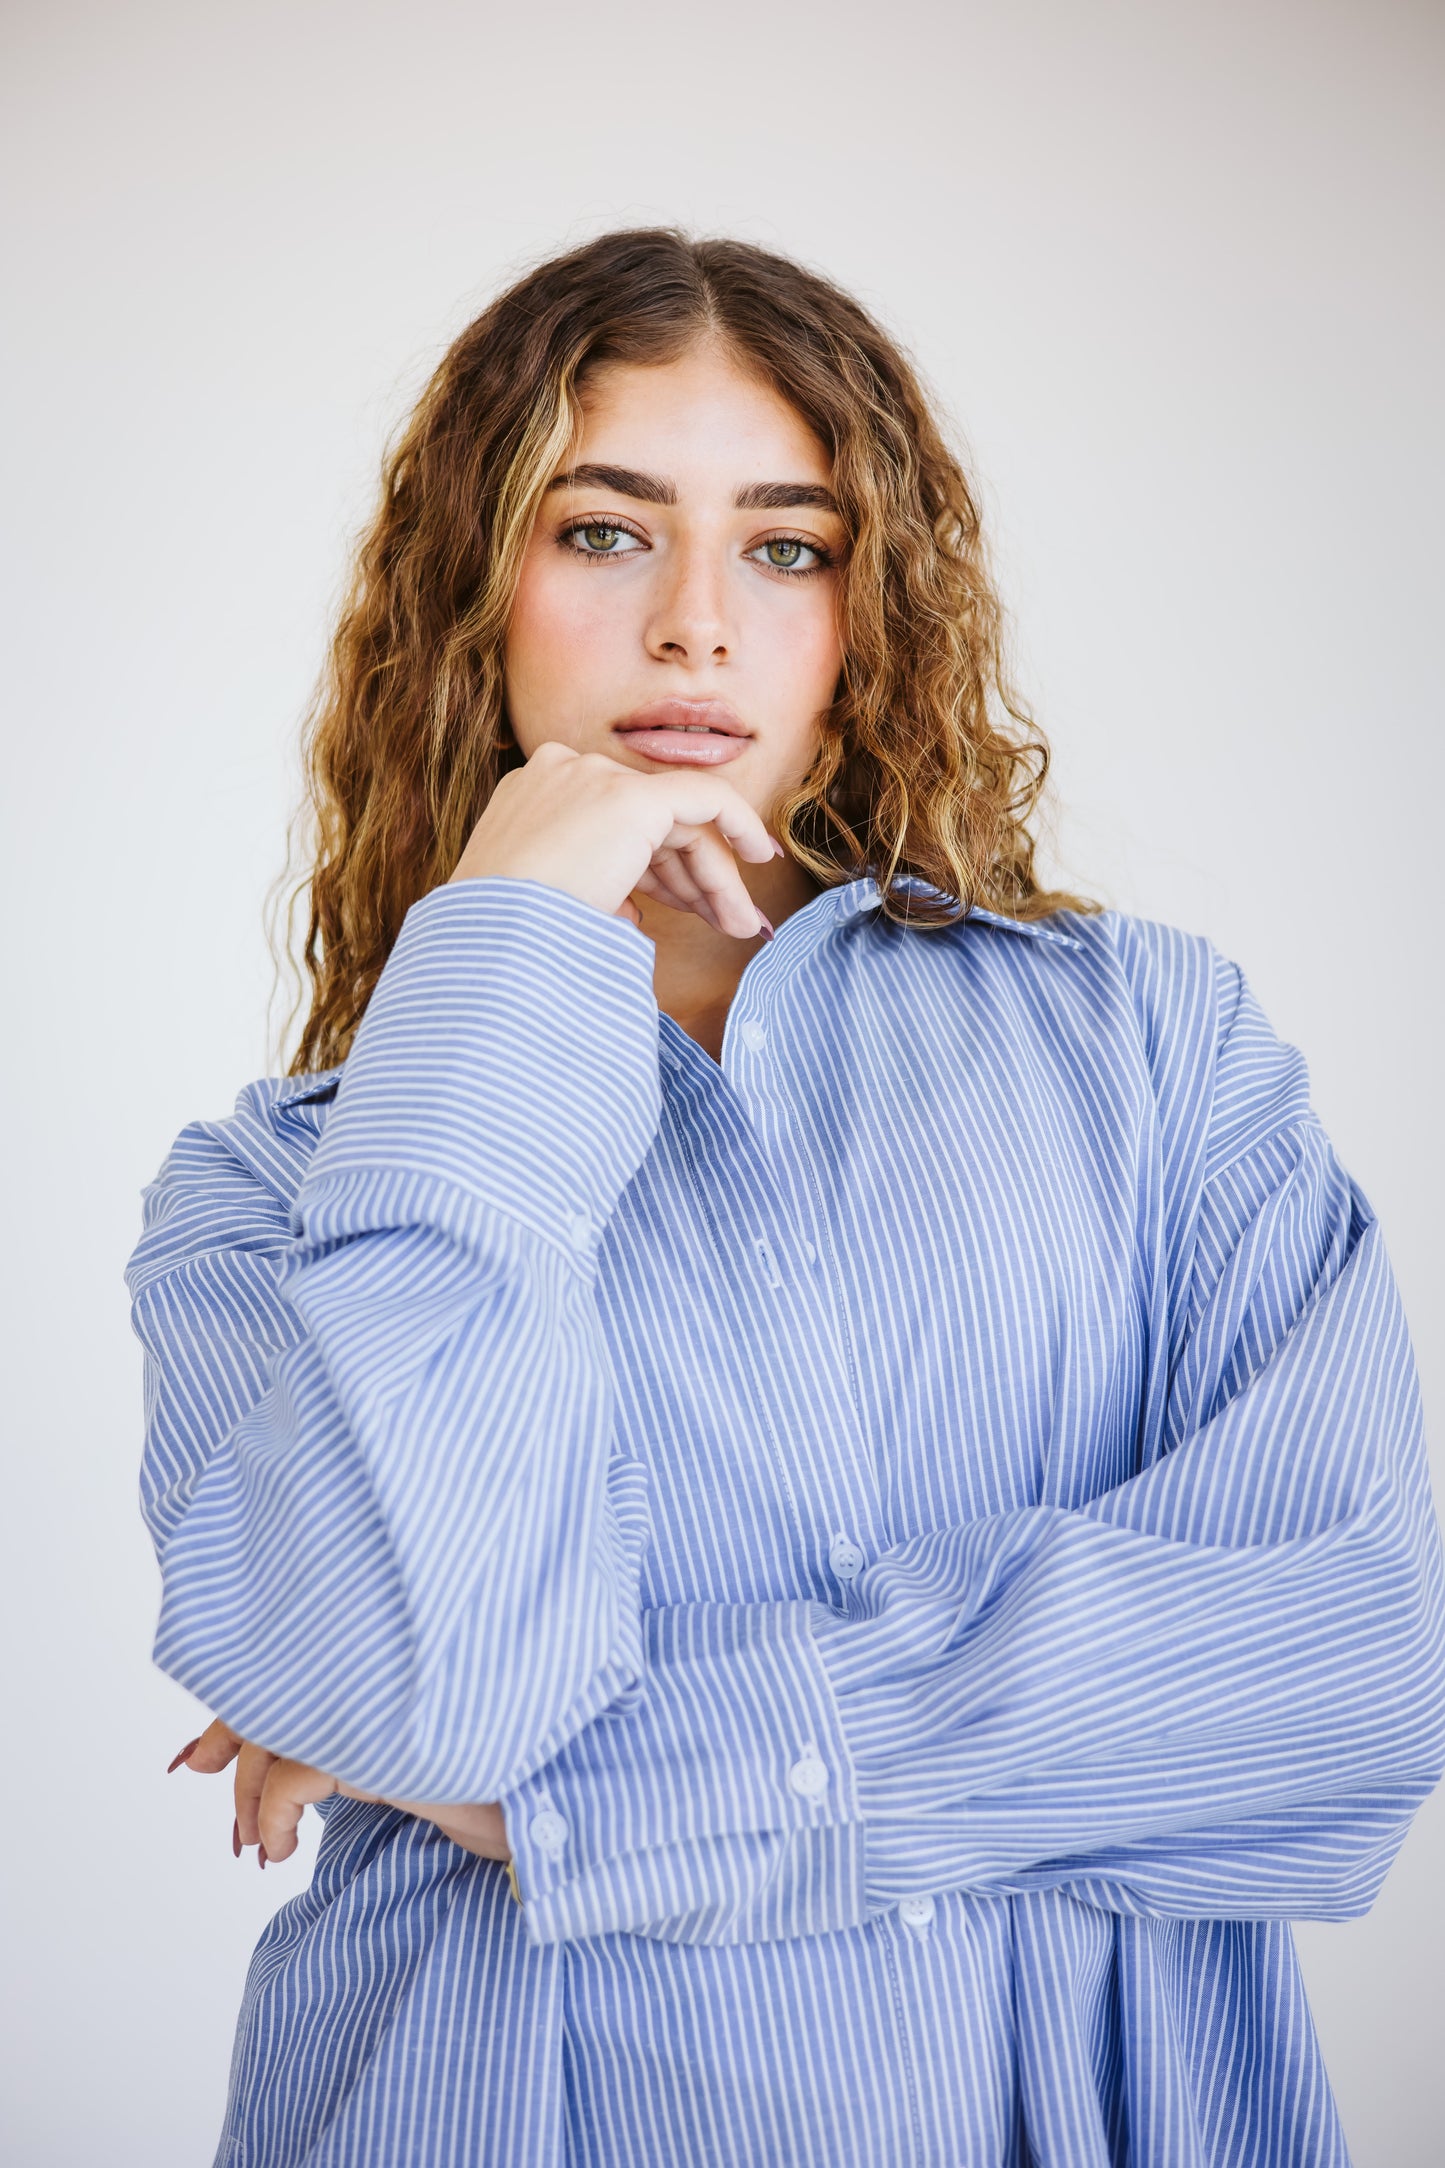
{"x": 261, "y": 1854}
{"x": 184, "y": 1755}
{"x": 236, "y": 1838}
{"x": 778, "y": 850}
{"x": 765, "y": 929}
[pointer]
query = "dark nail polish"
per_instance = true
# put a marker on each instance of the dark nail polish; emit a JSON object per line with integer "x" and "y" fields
{"x": 184, "y": 1755}
{"x": 236, "y": 1838}
{"x": 261, "y": 1855}
{"x": 765, "y": 930}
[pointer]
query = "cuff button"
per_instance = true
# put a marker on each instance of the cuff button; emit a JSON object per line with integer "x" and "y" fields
{"x": 548, "y": 1832}
{"x": 809, "y": 1776}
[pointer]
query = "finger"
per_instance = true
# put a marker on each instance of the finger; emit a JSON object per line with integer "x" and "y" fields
{"x": 674, "y": 882}
{"x": 649, "y": 885}
{"x": 701, "y": 801}
{"x": 669, "y": 880}
{"x": 253, "y": 1765}
{"x": 722, "y": 893}
{"x": 290, "y": 1788}
{"x": 214, "y": 1751}
{"x": 747, "y": 833}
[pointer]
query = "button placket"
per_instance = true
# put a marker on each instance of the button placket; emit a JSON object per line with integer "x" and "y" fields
{"x": 917, "y": 1913}
{"x": 787, "y": 1146}
{"x": 845, "y": 1558}
{"x": 751, "y": 1120}
{"x": 754, "y": 1036}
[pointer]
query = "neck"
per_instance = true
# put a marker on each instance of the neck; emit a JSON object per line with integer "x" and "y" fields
{"x": 696, "y": 969}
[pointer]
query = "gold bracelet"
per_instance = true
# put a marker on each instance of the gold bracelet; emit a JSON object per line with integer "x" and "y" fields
{"x": 512, "y": 1879}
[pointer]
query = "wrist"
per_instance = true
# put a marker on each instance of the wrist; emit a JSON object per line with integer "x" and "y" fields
{"x": 535, "y": 871}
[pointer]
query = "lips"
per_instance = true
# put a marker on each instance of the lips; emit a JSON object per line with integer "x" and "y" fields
{"x": 686, "y": 733}
{"x": 692, "y": 715}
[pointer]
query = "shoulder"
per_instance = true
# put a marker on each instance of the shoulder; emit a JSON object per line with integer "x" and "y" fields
{"x": 1168, "y": 989}
{"x": 1219, "y": 1070}
{"x": 1132, "y": 996}
{"x": 229, "y": 1183}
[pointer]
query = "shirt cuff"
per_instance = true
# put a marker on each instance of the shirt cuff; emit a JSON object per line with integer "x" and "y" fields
{"x": 721, "y": 1805}
{"x": 509, "y": 1052}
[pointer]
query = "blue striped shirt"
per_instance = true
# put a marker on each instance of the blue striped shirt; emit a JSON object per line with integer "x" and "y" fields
{"x": 923, "y": 1524}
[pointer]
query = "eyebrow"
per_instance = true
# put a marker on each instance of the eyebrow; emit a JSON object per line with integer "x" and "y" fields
{"x": 784, "y": 496}
{"x": 657, "y": 489}
{"x": 625, "y": 481}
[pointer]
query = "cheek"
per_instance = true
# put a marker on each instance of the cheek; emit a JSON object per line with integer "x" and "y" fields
{"x": 557, "y": 631}
{"x": 804, "y": 652}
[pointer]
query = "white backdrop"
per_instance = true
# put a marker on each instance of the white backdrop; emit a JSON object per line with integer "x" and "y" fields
{"x": 1174, "y": 268}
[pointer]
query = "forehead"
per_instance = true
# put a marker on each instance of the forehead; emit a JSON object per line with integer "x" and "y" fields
{"x": 703, "y": 414}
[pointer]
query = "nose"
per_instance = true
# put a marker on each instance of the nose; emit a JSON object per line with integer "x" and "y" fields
{"x": 689, "y": 619}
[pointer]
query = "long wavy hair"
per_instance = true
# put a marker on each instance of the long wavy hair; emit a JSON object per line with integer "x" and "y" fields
{"x": 928, "y": 766}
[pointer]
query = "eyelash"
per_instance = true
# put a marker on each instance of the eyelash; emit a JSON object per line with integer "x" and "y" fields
{"x": 620, "y": 526}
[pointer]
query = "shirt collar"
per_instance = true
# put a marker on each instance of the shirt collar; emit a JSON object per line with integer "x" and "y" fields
{"x": 864, "y": 895}
{"x": 303, "y": 1090}
{"x": 849, "y": 902}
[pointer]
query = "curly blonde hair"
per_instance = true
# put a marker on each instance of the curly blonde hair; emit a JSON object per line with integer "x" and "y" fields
{"x": 928, "y": 767}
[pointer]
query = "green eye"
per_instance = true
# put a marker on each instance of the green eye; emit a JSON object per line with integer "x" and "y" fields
{"x": 599, "y": 538}
{"x": 786, "y": 553}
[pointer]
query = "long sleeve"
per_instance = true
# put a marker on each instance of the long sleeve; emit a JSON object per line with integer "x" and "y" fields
{"x": 396, "y": 1536}
{"x": 1214, "y": 1690}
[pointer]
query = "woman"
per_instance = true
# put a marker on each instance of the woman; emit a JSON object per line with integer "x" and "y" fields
{"x": 837, "y": 1522}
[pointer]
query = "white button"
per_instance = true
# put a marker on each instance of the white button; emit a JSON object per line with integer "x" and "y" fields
{"x": 845, "y": 1558}
{"x": 579, "y": 1230}
{"x": 809, "y": 1777}
{"x": 916, "y": 1912}
{"x": 548, "y": 1832}
{"x": 753, "y": 1036}
{"x": 810, "y": 1253}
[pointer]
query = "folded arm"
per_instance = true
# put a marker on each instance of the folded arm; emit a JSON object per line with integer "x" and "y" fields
{"x": 396, "y": 1539}
{"x": 1215, "y": 1690}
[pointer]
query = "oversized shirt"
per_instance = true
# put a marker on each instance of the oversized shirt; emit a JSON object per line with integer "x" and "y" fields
{"x": 922, "y": 1523}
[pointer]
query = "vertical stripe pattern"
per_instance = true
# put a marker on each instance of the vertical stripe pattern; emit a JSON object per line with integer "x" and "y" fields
{"x": 922, "y": 1523}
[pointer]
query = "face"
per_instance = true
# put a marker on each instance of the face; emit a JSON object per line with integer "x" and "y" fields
{"x": 678, "y": 598}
